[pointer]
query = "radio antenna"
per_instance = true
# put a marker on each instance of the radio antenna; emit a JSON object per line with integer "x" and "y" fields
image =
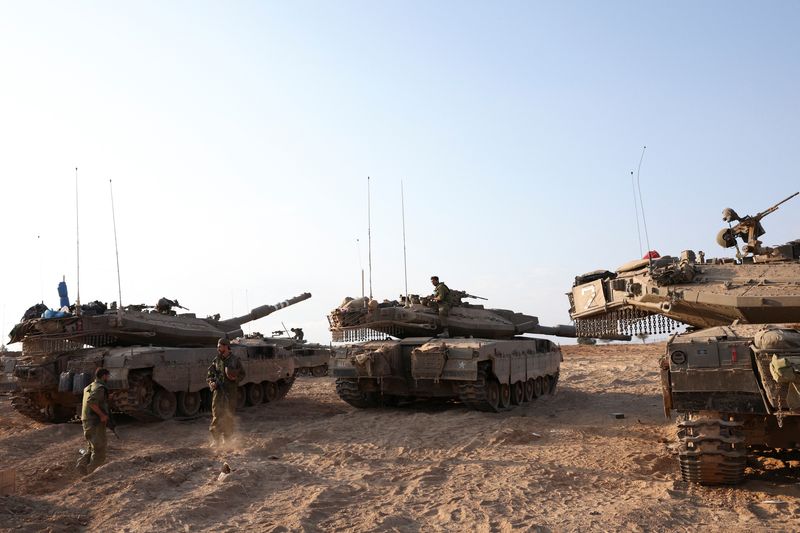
{"x": 636, "y": 209}
{"x": 78, "y": 247}
{"x": 405, "y": 262}
{"x": 641, "y": 205}
{"x": 369, "y": 238}
{"x": 116, "y": 246}
{"x": 360, "y": 265}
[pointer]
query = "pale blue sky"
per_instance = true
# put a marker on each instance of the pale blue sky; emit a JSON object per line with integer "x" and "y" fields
{"x": 239, "y": 137}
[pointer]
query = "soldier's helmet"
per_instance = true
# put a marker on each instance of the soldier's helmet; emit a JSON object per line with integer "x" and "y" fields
{"x": 223, "y": 341}
{"x": 729, "y": 215}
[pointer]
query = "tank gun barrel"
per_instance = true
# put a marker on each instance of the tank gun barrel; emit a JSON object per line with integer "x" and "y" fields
{"x": 233, "y": 324}
{"x": 766, "y": 212}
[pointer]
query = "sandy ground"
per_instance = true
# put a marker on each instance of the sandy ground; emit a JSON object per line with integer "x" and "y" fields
{"x": 313, "y": 463}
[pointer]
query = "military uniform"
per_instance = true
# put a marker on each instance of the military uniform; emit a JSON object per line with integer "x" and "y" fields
{"x": 94, "y": 431}
{"x": 223, "y": 401}
{"x": 441, "y": 295}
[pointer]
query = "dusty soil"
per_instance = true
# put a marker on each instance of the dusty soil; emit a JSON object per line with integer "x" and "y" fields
{"x": 312, "y": 463}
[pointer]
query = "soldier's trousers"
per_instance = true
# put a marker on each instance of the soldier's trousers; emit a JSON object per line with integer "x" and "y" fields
{"x": 96, "y": 445}
{"x": 223, "y": 407}
{"x": 444, "y": 313}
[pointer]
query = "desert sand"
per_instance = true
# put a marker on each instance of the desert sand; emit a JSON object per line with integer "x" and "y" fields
{"x": 313, "y": 463}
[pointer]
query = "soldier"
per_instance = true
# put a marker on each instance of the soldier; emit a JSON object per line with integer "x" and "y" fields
{"x": 223, "y": 375}
{"x": 298, "y": 334}
{"x": 95, "y": 417}
{"x": 441, "y": 295}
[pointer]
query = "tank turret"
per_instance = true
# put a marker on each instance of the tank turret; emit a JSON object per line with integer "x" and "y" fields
{"x": 657, "y": 295}
{"x": 361, "y": 319}
{"x": 133, "y": 326}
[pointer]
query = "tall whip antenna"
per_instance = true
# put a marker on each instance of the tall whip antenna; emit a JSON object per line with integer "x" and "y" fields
{"x": 405, "y": 262}
{"x": 636, "y": 209}
{"x": 78, "y": 247}
{"x": 641, "y": 205}
{"x": 369, "y": 237}
{"x": 360, "y": 265}
{"x": 116, "y": 246}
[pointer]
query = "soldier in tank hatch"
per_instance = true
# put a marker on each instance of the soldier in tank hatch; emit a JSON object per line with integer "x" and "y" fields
{"x": 95, "y": 418}
{"x": 225, "y": 372}
{"x": 441, "y": 295}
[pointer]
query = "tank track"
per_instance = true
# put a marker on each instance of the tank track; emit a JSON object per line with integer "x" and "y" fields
{"x": 135, "y": 401}
{"x": 712, "y": 451}
{"x": 284, "y": 386}
{"x": 25, "y": 405}
{"x": 348, "y": 390}
{"x": 473, "y": 393}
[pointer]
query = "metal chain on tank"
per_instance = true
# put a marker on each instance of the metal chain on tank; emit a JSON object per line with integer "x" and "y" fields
{"x": 626, "y": 321}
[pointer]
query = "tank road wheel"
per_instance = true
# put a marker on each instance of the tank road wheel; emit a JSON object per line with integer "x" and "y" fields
{"x": 712, "y": 451}
{"x": 529, "y": 394}
{"x": 538, "y": 387}
{"x": 270, "y": 391}
{"x": 319, "y": 371}
{"x": 493, "y": 394}
{"x": 189, "y": 403}
{"x": 164, "y": 404}
{"x": 348, "y": 390}
{"x": 517, "y": 393}
{"x": 255, "y": 393}
{"x": 505, "y": 396}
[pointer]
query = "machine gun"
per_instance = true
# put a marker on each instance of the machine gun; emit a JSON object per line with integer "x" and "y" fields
{"x": 749, "y": 229}
{"x": 456, "y": 296}
{"x": 218, "y": 379}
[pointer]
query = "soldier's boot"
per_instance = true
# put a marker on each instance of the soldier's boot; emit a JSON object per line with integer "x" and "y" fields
{"x": 445, "y": 334}
{"x": 82, "y": 466}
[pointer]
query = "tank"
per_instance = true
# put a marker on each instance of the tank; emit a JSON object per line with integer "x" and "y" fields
{"x": 148, "y": 381}
{"x": 394, "y": 354}
{"x": 731, "y": 369}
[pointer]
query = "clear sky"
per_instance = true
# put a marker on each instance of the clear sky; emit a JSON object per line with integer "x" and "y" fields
{"x": 239, "y": 137}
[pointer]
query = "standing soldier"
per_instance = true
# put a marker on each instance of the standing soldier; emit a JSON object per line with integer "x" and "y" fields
{"x": 94, "y": 416}
{"x": 223, "y": 374}
{"x": 441, "y": 295}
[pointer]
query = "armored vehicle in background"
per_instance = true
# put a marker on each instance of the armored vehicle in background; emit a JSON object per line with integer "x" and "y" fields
{"x": 733, "y": 376}
{"x": 8, "y": 360}
{"x": 148, "y": 381}
{"x": 487, "y": 364}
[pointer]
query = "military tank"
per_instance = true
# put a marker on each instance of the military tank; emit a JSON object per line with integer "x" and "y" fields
{"x": 158, "y": 361}
{"x": 394, "y": 354}
{"x": 731, "y": 370}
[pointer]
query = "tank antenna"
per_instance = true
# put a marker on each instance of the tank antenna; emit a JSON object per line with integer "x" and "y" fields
{"x": 641, "y": 205}
{"x": 116, "y": 246}
{"x": 360, "y": 265}
{"x": 369, "y": 238}
{"x": 78, "y": 248}
{"x": 636, "y": 209}
{"x": 405, "y": 262}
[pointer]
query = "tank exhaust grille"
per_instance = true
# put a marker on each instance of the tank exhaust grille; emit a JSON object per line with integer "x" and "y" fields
{"x": 627, "y": 321}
